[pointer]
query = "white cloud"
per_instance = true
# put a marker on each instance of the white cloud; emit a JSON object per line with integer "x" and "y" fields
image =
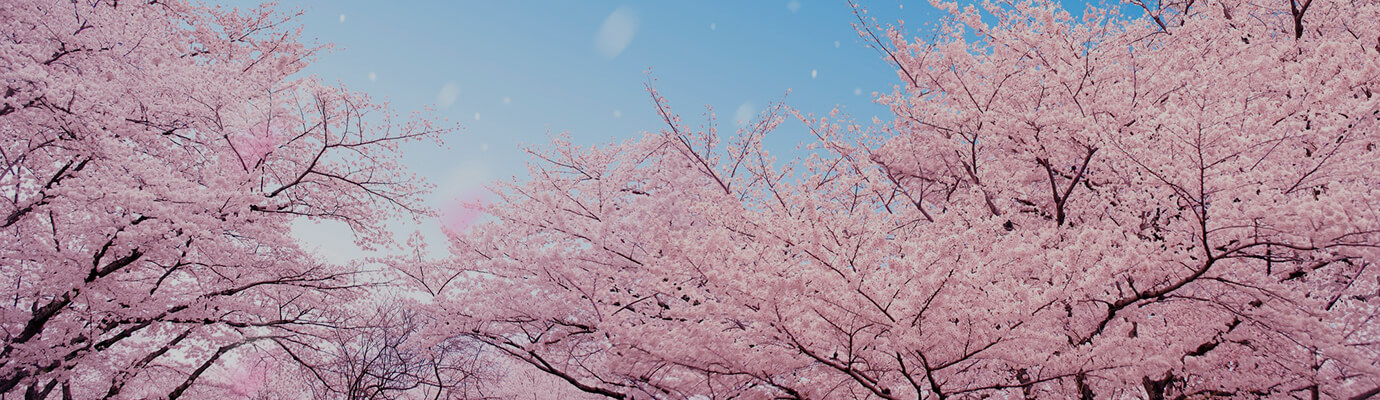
{"x": 713, "y": 26}
{"x": 744, "y": 114}
{"x": 476, "y": 116}
{"x": 616, "y": 32}
{"x": 373, "y": 76}
{"x": 857, "y": 91}
{"x": 507, "y": 100}
{"x": 814, "y": 73}
{"x": 484, "y": 146}
{"x": 794, "y": 5}
{"x": 342, "y": 17}
{"x": 617, "y": 113}
{"x": 448, "y": 94}
{"x": 836, "y": 44}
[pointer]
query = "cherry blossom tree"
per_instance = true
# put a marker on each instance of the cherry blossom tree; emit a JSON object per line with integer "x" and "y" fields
{"x": 384, "y": 354}
{"x": 155, "y": 155}
{"x": 1177, "y": 203}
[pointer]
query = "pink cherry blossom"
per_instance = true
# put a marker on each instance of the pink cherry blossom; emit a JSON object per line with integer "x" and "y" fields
{"x": 253, "y": 146}
{"x": 155, "y": 156}
{"x": 1176, "y": 204}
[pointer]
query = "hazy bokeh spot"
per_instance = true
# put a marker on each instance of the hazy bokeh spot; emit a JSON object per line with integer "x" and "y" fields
{"x": 616, "y": 32}
{"x": 446, "y": 97}
{"x": 464, "y": 194}
{"x": 465, "y": 209}
{"x": 744, "y": 114}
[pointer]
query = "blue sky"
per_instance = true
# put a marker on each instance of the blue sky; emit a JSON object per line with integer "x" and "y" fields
{"x": 516, "y": 73}
{"x": 522, "y": 71}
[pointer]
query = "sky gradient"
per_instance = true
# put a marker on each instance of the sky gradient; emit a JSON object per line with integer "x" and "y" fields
{"x": 518, "y": 73}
